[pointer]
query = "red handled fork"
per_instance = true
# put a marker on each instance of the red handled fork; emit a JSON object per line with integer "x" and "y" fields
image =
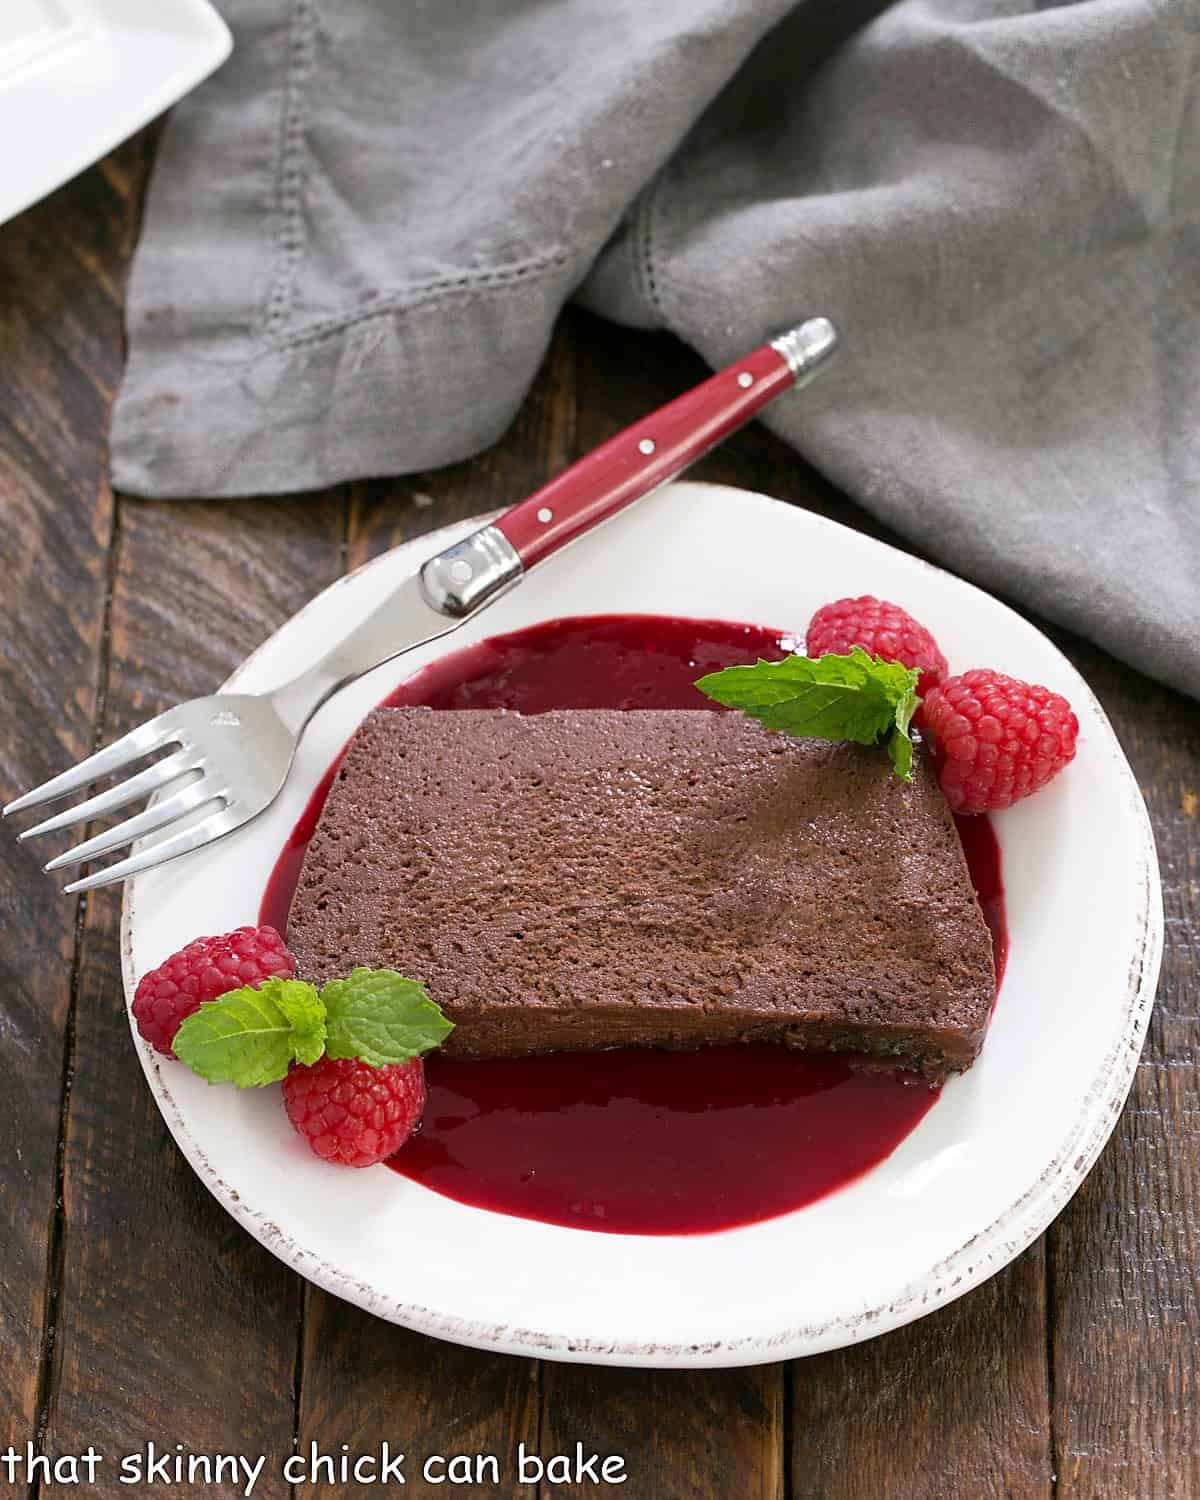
{"x": 224, "y": 758}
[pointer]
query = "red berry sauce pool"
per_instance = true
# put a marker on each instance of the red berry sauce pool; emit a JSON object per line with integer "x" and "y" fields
{"x": 637, "y": 1141}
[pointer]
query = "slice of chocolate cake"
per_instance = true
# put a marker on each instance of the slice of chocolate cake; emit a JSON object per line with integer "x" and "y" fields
{"x": 587, "y": 879}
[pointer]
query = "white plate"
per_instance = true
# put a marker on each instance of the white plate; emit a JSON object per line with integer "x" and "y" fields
{"x": 986, "y": 1170}
{"x": 79, "y": 76}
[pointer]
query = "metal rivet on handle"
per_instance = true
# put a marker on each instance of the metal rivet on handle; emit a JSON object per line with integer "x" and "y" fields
{"x": 545, "y": 514}
{"x": 646, "y": 446}
{"x": 745, "y": 380}
{"x": 461, "y": 572}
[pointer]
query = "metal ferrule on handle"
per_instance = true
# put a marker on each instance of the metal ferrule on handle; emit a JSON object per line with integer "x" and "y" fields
{"x": 805, "y": 348}
{"x": 475, "y": 571}
{"x": 466, "y": 576}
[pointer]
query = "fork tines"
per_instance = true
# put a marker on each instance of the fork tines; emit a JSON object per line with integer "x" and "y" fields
{"x": 158, "y": 734}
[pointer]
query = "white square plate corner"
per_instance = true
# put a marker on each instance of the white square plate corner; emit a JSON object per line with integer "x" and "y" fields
{"x": 77, "y": 77}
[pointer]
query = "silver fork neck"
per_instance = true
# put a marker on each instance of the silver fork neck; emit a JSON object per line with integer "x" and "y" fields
{"x": 450, "y": 587}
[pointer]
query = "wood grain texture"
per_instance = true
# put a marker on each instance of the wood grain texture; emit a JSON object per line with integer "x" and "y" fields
{"x": 956, "y": 1404}
{"x": 60, "y": 354}
{"x": 174, "y": 1326}
{"x": 682, "y": 1433}
{"x": 365, "y": 1383}
{"x": 1125, "y": 1257}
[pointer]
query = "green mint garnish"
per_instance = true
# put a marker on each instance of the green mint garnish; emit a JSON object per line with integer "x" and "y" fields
{"x": 381, "y": 1017}
{"x": 301, "y": 1005}
{"x": 250, "y": 1037}
{"x": 856, "y": 697}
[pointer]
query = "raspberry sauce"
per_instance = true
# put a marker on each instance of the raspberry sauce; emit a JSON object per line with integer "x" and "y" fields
{"x": 636, "y": 1141}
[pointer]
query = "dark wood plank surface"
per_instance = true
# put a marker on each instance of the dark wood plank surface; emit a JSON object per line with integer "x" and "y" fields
{"x": 60, "y": 354}
{"x": 1124, "y": 1259}
{"x": 132, "y": 1309}
{"x": 213, "y": 1316}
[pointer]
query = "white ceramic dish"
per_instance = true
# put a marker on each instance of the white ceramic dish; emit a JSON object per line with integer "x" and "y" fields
{"x": 79, "y": 76}
{"x": 984, "y": 1173}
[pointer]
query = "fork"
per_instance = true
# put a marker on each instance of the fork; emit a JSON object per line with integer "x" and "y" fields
{"x": 228, "y": 755}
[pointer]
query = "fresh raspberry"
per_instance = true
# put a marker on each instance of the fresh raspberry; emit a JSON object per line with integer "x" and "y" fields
{"x": 209, "y": 967}
{"x": 351, "y": 1113}
{"x": 997, "y": 739}
{"x": 881, "y": 628}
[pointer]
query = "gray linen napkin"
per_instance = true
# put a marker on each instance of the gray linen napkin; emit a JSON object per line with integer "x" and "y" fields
{"x": 360, "y": 231}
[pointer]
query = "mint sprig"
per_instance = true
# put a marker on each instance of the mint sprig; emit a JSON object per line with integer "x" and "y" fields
{"x": 302, "y": 1007}
{"x": 855, "y": 697}
{"x": 250, "y": 1037}
{"x": 379, "y": 1016}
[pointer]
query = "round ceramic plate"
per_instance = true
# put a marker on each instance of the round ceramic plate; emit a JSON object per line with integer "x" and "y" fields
{"x": 982, "y": 1175}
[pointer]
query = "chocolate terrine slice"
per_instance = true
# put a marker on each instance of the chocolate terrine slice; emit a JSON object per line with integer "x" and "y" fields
{"x": 577, "y": 880}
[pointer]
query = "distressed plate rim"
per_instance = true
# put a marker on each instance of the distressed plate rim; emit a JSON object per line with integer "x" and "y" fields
{"x": 980, "y": 1256}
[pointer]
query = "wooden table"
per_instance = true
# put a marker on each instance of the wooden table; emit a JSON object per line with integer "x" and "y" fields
{"x": 133, "y": 1309}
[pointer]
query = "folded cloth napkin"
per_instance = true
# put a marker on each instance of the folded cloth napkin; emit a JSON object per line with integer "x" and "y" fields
{"x": 359, "y": 233}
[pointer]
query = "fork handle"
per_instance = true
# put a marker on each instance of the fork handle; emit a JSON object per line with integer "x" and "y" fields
{"x": 644, "y": 456}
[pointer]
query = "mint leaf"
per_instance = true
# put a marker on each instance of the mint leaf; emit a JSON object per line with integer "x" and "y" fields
{"x": 249, "y": 1036}
{"x": 900, "y": 746}
{"x": 855, "y": 697}
{"x": 305, "y": 1009}
{"x": 900, "y": 753}
{"x": 381, "y": 1017}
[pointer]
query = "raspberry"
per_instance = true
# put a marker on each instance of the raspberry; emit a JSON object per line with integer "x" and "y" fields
{"x": 351, "y": 1113}
{"x": 997, "y": 739}
{"x": 881, "y": 628}
{"x": 206, "y": 968}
